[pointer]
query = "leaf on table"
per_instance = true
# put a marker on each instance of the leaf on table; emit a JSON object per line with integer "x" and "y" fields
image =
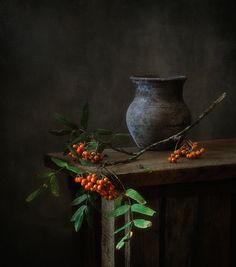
{"x": 74, "y": 169}
{"x": 86, "y": 162}
{"x": 133, "y": 194}
{"x": 59, "y": 162}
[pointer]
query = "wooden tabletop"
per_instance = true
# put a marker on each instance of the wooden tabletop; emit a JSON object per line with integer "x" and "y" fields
{"x": 152, "y": 168}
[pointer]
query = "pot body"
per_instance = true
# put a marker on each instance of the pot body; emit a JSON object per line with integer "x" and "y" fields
{"x": 158, "y": 110}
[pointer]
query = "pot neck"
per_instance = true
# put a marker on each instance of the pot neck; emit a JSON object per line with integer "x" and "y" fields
{"x": 168, "y": 89}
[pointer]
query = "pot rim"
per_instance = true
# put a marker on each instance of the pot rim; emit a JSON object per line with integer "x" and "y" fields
{"x": 157, "y": 78}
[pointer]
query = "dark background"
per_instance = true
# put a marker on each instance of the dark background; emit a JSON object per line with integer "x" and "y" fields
{"x": 56, "y": 55}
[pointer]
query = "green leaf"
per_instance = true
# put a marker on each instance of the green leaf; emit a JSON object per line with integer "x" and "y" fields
{"x": 119, "y": 211}
{"x": 59, "y": 162}
{"x": 33, "y": 195}
{"x": 145, "y": 169}
{"x": 78, "y": 213}
{"x": 118, "y": 201}
{"x": 54, "y": 186}
{"x": 131, "y": 193}
{"x": 85, "y": 117}
{"x": 45, "y": 174}
{"x": 79, "y": 200}
{"x": 100, "y": 131}
{"x": 79, "y": 218}
{"x": 86, "y": 162}
{"x": 89, "y": 217}
{"x": 74, "y": 169}
{"x": 123, "y": 227}
{"x": 62, "y": 119}
{"x": 142, "y": 209}
{"x": 92, "y": 146}
{"x": 83, "y": 137}
{"x": 121, "y": 137}
{"x": 63, "y": 164}
{"x": 60, "y": 132}
{"x": 141, "y": 223}
{"x": 121, "y": 243}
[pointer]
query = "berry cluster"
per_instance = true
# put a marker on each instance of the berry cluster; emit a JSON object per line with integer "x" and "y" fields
{"x": 102, "y": 186}
{"x": 84, "y": 154}
{"x": 190, "y": 150}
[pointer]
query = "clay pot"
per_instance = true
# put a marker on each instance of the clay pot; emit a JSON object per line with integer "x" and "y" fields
{"x": 158, "y": 110}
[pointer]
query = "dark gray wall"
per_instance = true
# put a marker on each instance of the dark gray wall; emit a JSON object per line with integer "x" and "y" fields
{"x": 56, "y": 55}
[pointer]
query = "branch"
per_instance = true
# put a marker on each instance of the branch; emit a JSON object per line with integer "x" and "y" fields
{"x": 175, "y": 137}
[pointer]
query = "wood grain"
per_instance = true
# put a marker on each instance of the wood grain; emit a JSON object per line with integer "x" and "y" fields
{"x": 219, "y": 162}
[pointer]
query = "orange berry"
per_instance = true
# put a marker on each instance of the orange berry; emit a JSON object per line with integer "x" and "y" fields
{"x": 80, "y": 150}
{"x": 106, "y": 179}
{"x": 88, "y": 178}
{"x": 87, "y": 187}
{"x": 95, "y": 187}
{"x": 90, "y": 184}
{"x": 202, "y": 150}
{"x": 99, "y": 188}
{"x": 75, "y": 146}
{"x": 85, "y": 154}
{"x": 169, "y": 159}
{"x": 96, "y": 158}
{"x": 84, "y": 182}
{"x": 173, "y": 160}
{"x": 93, "y": 179}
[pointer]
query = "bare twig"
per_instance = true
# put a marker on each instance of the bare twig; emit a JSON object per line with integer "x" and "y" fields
{"x": 175, "y": 137}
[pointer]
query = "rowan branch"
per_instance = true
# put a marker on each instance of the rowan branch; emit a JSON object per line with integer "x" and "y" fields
{"x": 176, "y": 137}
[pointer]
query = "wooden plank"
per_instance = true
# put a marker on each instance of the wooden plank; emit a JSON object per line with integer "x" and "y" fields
{"x": 219, "y": 163}
{"x": 212, "y": 241}
{"x": 179, "y": 228}
{"x": 107, "y": 239}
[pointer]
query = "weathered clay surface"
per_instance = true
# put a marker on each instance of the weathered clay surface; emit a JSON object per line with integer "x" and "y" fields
{"x": 158, "y": 110}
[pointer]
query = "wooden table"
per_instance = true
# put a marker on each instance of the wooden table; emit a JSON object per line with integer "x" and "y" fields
{"x": 195, "y": 203}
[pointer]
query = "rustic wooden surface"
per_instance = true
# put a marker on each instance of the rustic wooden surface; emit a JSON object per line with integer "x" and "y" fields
{"x": 219, "y": 162}
{"x": 195, "y": 203}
